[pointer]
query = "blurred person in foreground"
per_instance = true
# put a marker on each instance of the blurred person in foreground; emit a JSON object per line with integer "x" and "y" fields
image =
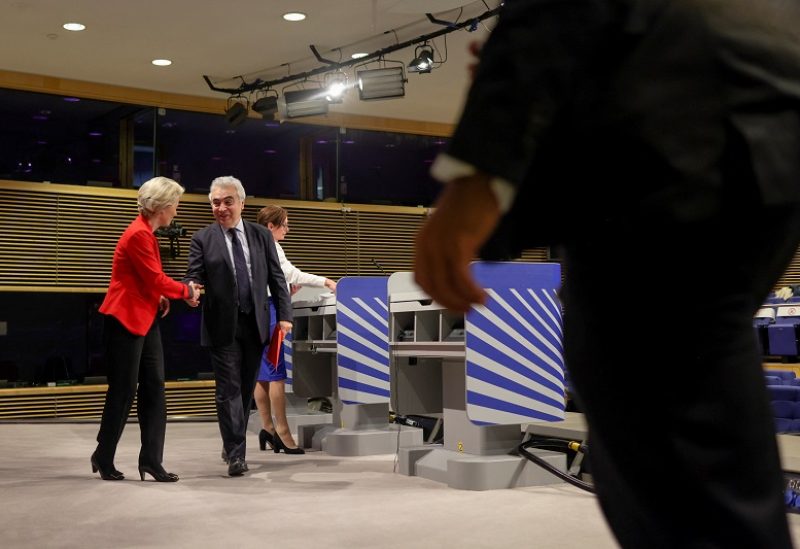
{"x": 138, "y": 292}
{"x": 658, "y": 143}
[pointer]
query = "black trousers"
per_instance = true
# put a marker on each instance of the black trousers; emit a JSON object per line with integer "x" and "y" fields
{"x": 235, "y": 370}
{"x": 133, "y": 360}
{"x": 660, "y": 347}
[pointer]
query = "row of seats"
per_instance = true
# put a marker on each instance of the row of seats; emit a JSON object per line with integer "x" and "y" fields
{"x": 777, "y": 327}
{"x": 780, "y": 377}
{"x": 785, "y": 399}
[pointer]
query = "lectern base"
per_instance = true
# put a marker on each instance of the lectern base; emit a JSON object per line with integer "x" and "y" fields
{"x": 358, "y": 442}
{"x": 478, "y": 472}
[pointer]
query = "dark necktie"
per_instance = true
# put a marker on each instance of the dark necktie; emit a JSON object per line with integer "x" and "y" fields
{"x": 242, "y": 278}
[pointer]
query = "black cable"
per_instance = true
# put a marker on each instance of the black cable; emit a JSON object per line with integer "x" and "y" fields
{"x": 555, "y": 444}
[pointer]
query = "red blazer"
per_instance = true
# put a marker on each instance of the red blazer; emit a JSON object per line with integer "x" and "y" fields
{"x": 138, "y": 280}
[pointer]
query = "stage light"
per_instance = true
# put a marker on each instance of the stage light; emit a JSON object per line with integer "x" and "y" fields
{"x": 236, "y": 110}
{"x": 335, "y": 86}
{"x": 299, "y": 103}
{"x": 423, "y": 59}
{"x": 267, "y": 105}
{"x": 382, "y": 83}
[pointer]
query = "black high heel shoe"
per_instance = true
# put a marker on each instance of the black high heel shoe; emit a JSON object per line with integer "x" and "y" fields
{"x": 106, "y": 473}
{"x": 278, "y": 445}
{"x": 265, "y": 437}
{"x": 158, "y": 473}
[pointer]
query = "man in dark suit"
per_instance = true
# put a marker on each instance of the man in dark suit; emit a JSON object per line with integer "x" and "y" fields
{"x": 658, "y": 142}
{"x": 236, "y": 261}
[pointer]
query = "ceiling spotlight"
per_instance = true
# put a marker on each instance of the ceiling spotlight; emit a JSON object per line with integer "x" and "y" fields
{"x": 381, "y": 83}
{"x": 423, "y": 59}
{"x": 335, "y": 86}
{"x": 294, "y": 16}
{"x": 236, "y": 110}
{"x": 267, "y": 105}
{"x": 161, "y": 62}
{"x": 299, "y": 103}
{"x": 75, "y": 27}
{"x": 359, "y": 55}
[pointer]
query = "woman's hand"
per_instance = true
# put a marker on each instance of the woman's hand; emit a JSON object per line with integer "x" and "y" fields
{"x": 330, "y": 284}
{"x": 163, "y": 306}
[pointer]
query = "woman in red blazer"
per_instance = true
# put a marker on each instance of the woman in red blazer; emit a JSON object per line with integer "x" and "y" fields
{"x": 139, "y": 289}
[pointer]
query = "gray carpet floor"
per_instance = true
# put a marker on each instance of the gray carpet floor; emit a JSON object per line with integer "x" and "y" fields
{"x": 50, "y": 498}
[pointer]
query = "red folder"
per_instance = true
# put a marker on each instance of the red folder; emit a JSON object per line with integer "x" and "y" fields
{"x": 274, "y": 350}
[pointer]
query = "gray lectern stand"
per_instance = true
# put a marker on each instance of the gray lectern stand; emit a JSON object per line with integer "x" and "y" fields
{"x": 486, "y": 373}
{"x": 361, "y": 377}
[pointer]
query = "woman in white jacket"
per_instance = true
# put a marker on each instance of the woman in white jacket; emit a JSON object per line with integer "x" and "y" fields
{"x": 269, "y": 393}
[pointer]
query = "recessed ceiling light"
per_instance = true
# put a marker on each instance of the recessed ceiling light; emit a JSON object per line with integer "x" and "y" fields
{"x": 161, "y": 62}
{"x": 359, "y": 55}
{"x": 74, "y": 26}
{"x": 294, "y": 16}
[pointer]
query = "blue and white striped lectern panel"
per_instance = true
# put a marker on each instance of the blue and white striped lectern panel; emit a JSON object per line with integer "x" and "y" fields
{"x": 362, "y": 340}
{"x": 287, "y": 359}
{"x": 514, "y": 351}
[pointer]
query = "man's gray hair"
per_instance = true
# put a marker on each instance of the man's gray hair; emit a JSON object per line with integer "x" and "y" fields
{"x": 227, "y": 181}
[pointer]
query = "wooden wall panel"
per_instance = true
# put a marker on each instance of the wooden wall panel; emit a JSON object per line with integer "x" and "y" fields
{"x": 184, "y": 399}
{"x": 64, "y": 237}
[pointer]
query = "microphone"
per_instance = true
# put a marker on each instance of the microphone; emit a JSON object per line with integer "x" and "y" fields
{"x": 378, "y": 265}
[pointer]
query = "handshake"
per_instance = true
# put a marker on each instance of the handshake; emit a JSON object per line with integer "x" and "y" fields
{"x": 194, "y": 293}
{"x": 193, "y": 301}
{"x": 784, "y": 293}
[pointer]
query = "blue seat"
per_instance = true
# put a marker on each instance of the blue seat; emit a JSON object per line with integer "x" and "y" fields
{"x": 773, "y": 380}
{"x": 784, "y": 392}
{"x": 782, "y": 335}
{"x": 786, "y": 417}
{"x": 785, "y": 408}
{"x": 761, "y": 321}
{"x": 785, "y": 375}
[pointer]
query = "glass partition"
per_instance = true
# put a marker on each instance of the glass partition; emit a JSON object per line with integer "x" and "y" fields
{"x": 50, "y": 138}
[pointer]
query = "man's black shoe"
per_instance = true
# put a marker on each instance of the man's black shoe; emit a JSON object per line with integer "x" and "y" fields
{"x": 237, "y": 467}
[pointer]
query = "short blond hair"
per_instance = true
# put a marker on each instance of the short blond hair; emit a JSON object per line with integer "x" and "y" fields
{"x": 156, "y": 194}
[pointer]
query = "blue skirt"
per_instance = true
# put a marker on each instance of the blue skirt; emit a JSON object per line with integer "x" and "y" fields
{"x": 269, "y": 371}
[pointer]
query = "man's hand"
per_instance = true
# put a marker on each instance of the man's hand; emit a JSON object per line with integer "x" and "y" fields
{"x": 286, "y": 327}
{"x": 465, "y": 216}
{"x": 163, "y": 306}
{"x": 194, "y": 301}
